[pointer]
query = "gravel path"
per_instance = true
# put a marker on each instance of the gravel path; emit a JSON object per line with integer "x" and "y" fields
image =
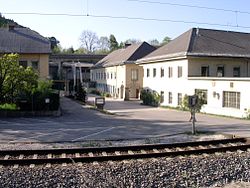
{"x": 199, "y": 171}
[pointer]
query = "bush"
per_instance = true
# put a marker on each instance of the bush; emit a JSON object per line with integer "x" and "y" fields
{"x": 95, "y": 92}
{"x": 41, "y": 99}
{"x": 8, "y": 106}
{"x": 150, "y": 98}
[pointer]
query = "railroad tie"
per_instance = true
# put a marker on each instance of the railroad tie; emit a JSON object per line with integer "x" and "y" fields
{"x": 104, "y": 153}
{"x": 156, "y": 151}
{"x": 167, "y": 150}
{"x": 117, "y": 153}
{"x": 6, "y": 157}
{"x": 130, "y": 152}
{"x": 63, "y": 155}
{"x": 179, "y": 149}
{"x": 202, "y": 147}
{"x": 49, "y": 156}
{"x": 35, "y": 156}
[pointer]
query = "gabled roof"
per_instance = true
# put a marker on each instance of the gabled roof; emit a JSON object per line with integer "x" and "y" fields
{"x": 22, "y": 40}
{"x": 203, "y": 42}
{"x": 126, "y": 55}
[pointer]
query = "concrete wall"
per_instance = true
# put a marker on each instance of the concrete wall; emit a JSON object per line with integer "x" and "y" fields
{"x": 43, "y": 63}
{"x": 120, "y": 82}
{"x": 195, "y": 64}
{"x": 191, "y": 79}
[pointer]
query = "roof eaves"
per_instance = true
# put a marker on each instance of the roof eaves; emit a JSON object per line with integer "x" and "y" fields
{"x": 218, "y": 55}
{"x": 162, "y": 58}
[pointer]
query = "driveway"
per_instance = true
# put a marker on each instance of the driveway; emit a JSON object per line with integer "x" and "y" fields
{"x": 132, "y": 121}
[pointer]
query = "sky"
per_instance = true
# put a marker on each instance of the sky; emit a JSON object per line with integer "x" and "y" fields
{"x": 170, "y": 19}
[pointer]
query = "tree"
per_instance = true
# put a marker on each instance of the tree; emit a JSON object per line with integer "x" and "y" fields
{"x": 154, "y": 42}
{"x": 69, "y": 50}
{"x": 15, "y": 79}
{"x": 113, "y": 43}
{"x": 132, "y": 41}
{"x": 166, "y": 40}
{"x": 89, "y": 41}
{"x": 104, "y": 45}
{"x": 53, "y": 42}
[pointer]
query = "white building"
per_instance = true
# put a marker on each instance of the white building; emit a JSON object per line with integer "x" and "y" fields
{"x": 212, "y": 61}
{"x": 117, "y": 73}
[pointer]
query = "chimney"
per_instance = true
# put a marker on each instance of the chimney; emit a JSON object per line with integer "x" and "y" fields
{"x": 127, "y": 45}
{"x": 11, "y": 27}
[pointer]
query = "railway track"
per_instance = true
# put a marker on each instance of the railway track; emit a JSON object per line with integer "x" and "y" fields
{"x": 98, "y": 154}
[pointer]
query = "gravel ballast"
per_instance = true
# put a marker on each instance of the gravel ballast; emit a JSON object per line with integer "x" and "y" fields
{"x": 197, "y": 171}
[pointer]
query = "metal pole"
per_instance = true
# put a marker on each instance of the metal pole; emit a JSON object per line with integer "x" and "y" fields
{"x": 193, "y": 121}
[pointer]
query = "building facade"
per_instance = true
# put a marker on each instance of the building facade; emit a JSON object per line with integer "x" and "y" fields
{"x": 213, "y": 62}
{"x": 32, "y": 48}
{"x": 117, "y": 73}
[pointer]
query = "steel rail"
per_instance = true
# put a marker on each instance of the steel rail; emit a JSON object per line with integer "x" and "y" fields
{"x": 119, "y": 148}
{"x": 88, "y": 159}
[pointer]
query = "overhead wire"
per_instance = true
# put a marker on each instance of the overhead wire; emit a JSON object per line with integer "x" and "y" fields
{"x": 124, "y": 17}
{"x": 190, "y": 6}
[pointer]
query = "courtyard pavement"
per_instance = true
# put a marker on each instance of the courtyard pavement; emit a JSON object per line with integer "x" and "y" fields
{"x": 131, "y": 121}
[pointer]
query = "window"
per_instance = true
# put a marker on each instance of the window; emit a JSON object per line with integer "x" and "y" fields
{"x": 111, "y": 75}
{"x": 134, "y": 74}
{"x": 231, "y": 99}
{"x": 205, "y": 71}
{"x": 220, "y": 71}
{"x": 236, "y": 72}
{"x": 148, "y": 72}
{"x": 202, "y": 93}
{"x": 162, "y": 96}
{"x": 170, "y": 98}
{"x": 23, "y": 64}
{"x": 162, "y": 72}
{"x": 154, "y": 72}
{"x": 170, "y": 72}
{"x": 104, "y": 75}
{"x": 179, "y": 98}
{"x": 34, "y": 65}
{"x": 179, "y": 71}
{"x": 107, "y": 75}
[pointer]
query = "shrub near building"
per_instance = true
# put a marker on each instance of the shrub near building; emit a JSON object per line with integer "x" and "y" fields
{"x": 151, "y": 98}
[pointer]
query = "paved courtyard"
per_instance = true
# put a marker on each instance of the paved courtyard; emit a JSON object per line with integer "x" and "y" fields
{"x": 131, "y": 121}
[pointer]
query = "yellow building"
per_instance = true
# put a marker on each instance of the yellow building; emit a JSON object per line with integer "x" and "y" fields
{"x": 33, "y": 48}
{"x": 118, "y": 74}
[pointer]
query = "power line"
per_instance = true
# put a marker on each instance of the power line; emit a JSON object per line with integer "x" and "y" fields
{"x": 190, "y": 6}
{"x": 125, "y": 17}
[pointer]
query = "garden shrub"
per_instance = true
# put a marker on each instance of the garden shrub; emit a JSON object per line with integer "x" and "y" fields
{"x": 151, "y": 98}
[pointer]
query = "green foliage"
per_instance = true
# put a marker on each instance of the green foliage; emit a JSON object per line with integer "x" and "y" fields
{"x": 41, "y": 98}
{"x": 7, "y": 106}
{"x": 4, "y": 21}
{"x": 95, "y": 92}
{"x": 15, "y": 79}
{"x": 201, "y": 102}
{"x": 166, "y": 40}
{"x": 81, "y": 93}
{"x": 150, "y": 98}
{"x": 113, "y": 43}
